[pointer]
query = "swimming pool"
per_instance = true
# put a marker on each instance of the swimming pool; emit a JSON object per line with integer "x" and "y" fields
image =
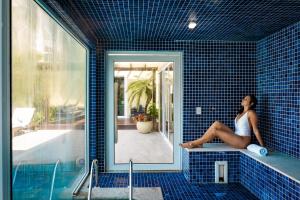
{"x": 34, "y": 181}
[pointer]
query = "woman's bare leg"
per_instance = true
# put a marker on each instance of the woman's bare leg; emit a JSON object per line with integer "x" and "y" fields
{"x": 208, "y": 136}
{"x": 211, "y": 133}
{"x": 233, "y": 139}
{"x": 220, "y": 130}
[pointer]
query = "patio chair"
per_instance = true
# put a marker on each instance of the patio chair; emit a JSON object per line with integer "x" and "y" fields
{"x": 21, "y": 118}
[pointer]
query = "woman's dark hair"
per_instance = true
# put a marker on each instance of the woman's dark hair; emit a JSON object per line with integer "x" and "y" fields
{"x": 253, "y": 101}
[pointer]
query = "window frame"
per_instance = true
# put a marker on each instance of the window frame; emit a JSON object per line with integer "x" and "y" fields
{"x": 5, "y": 88}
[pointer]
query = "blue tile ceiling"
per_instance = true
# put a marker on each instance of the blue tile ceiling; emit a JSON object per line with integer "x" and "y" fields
{"x": 235, "y": 20}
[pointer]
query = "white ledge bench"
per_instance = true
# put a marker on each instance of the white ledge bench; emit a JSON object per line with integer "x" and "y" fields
{"x": 276, "y": 176}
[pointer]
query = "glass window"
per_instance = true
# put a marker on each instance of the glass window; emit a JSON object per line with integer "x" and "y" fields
{"x": 48, "y": 105}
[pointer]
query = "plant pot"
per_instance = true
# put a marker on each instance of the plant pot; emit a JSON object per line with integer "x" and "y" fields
{"x": 144, "y": 127}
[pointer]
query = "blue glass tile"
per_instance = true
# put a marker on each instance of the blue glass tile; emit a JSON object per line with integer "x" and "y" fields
{"x": 266, "y": 183}
{"x": 230, "y": 20}
{"x": 278, "y": 89}
{"x": 216, "y": 75}
{"x": 200, "y": 167}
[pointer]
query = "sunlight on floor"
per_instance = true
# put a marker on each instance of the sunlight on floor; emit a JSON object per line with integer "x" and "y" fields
{"x": 142, "y": 148}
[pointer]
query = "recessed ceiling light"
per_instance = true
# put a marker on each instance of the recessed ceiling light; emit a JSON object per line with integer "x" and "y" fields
{"x": 192, "y": 25}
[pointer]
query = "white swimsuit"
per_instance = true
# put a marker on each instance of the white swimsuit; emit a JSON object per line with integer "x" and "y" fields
{"x": 242, "y": 127}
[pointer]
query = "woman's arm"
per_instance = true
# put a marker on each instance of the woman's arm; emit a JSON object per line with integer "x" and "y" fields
{"x": 254, "y": 121}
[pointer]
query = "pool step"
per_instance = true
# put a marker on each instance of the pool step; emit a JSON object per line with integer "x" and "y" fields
{"x": 122, "y": 193}
{"x": 139, "y": 193}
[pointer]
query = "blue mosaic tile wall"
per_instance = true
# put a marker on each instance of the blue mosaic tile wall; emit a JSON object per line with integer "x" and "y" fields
{"x": 216, "y": 77}
{"x": 92, "y": 104}
{"x": 278, "y": 89}
{"x": 230, "y": 20}
{"x": 201, "y": 166}
{"x": 266, "y": 183}
{"x": 97, "y": 110}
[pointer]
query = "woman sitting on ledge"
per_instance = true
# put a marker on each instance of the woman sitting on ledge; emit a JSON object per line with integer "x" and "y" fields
{"x": 245, "y": 122}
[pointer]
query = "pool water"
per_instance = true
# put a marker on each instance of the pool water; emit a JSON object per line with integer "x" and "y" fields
{"x": 34, "y": 181}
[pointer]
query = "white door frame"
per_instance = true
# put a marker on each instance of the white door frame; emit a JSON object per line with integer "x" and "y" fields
{"x": 165, "y": 104}
{"x": 143, "y": 56}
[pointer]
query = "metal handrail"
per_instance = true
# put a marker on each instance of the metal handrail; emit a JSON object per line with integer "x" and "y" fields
{"x": 130, "y": 179}
{"x": 94, "y": 166}
{"x": 17, "y": 169}
{"x": 53, "y": 179}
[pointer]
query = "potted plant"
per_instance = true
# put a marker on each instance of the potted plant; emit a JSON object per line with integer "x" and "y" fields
{"x": 144, "y": 123}
{"x": 153, "y": 113}
{"x": 139, "y": 89}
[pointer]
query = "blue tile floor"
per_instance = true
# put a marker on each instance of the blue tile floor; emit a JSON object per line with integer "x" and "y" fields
{"x": 174, "y": 186}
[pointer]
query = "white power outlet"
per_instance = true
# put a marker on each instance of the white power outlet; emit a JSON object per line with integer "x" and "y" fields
{"x": 198, "y": 111}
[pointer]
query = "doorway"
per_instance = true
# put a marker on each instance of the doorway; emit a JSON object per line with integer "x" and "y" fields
{"x": 166, "y": 86}
{"x": 143, "y": 103}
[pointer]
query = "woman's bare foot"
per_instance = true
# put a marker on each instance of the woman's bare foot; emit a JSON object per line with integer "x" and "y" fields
{"x": 190, "y": 145}
{"x": 185, "y": 145}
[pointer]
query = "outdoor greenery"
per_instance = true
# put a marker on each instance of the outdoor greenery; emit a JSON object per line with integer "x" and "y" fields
{"x": 152, "y": 111}
{"x": 48, "y": 71}
{"x": 150, "y": 115}
{"x": 139, "y": 89}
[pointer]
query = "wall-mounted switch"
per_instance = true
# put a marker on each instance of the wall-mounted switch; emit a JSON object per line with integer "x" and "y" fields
{"x": 198, "y": 111}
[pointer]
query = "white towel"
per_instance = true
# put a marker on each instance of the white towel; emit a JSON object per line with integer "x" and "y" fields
{"x": 257, "y": 149}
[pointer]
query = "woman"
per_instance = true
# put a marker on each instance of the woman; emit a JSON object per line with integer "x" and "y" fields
{"x": 245, "y": 122}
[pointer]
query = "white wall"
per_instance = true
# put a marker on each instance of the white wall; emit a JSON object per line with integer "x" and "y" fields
{"x": 47, "y": 146}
